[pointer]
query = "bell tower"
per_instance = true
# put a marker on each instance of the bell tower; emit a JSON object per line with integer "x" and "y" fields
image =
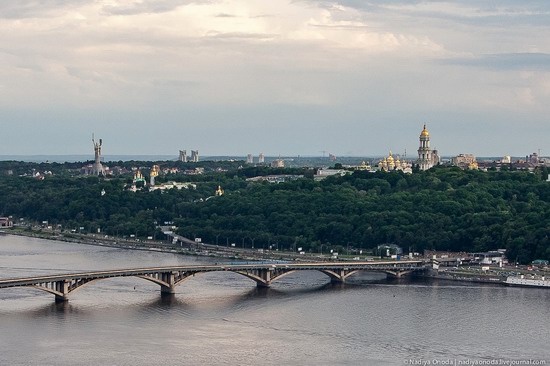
{"x": 425, "y": 154}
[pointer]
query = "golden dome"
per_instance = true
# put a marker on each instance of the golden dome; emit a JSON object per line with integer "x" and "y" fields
{"x": 155, "y": 171}
{"x": 424, "y": 132}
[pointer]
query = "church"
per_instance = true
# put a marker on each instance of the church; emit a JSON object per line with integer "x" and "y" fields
{"x": 427, "y": 157}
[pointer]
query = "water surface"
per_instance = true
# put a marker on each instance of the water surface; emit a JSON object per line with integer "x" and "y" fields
{"x": 223, "y": 319}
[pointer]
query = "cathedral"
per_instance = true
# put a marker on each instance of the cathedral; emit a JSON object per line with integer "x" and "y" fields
{"x": 427, "y": 157}
{"x": 390, "y": 163}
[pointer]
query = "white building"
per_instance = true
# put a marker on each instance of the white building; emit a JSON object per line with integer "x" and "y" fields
{"x": 278, "y": 163}
{"x": 465, "y": 161}
{"x": 427, "y": 157}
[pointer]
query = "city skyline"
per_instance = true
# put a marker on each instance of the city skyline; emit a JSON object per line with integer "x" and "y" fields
{"x": 283, "y": 78}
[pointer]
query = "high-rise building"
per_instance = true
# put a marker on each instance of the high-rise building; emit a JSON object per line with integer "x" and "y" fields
{"x": 427, "y": 157}
{"x": 183, "y": 156}
{"x": 195, "y": 156}
{"x": 261, "y": 158}
{"x": 250, "y": 159}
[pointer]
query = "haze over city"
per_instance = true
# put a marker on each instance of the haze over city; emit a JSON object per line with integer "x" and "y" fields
{"x": 283, "y": 77}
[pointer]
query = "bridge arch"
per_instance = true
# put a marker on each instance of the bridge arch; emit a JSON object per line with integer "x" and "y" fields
{"x": 170, "y": 277}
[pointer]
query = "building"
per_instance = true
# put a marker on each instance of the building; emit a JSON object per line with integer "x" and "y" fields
{"x": 261, "y": 158}
{"x": 390, "y": 163}
{"x": 154, "y": 173}
{"x": 5, "y": 222}
{"x": 183, "y": 156}
{"x": 324, "y": 173}
{"x": 497, "y": 257}
{"x": 465, "y": 161}
{"x": 427, "y": 157}
{"x": 534, "y": 159}
{"x": 250, "y": 159}
{"x": 138, "y": 177}
{"x": 195, "y": 156}
{"x": 173, "y": 185}
{"x": 363, "y": 166}
{"x": 278, "y": 178}
{"x": 278, "y": 163}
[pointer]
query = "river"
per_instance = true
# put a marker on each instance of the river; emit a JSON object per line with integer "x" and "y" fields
{"x": 223, "y": 319}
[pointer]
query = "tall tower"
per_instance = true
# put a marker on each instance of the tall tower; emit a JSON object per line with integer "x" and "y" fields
{"x": 261, "y": 158}
{"x": 97, "y": 168}
{"x": 249, "y": 159}
{"x": 425, "y": 154}
{"x": 154, "y": 173}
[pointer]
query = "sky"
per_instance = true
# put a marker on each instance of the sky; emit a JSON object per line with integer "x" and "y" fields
{"x": 350, "y": 77}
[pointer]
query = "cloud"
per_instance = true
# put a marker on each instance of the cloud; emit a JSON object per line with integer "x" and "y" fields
{"x": 367, "y": 62}
{"x": 505, "y": 61}
{"x": 225, "y": 15}
{"x": 482, "y": 13}
{"x": 147, "y": 7}
{"x": 23, "y": 9}
{"x": 240, "y": 35}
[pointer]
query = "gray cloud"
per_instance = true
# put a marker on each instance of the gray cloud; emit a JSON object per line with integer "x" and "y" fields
{"x": 240, "y": 35}
{"x": 225, "y": 15}
{"x": 21, "y": 9}
{"x": 279, "y": 78}
{"x": 505, "y": 61}
{"x": 148, "y": 7}
{"x": 486, "y": 12}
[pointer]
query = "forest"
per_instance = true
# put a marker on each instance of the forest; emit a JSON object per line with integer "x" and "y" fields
{"x": 444, "y": 208}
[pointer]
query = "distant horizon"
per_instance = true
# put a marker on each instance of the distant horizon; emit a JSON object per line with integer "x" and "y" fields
{"x": 75, "y": 158}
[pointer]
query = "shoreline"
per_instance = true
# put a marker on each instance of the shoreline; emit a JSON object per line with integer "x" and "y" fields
{"x": 211, "y": 251}
{"x": 201, "y": 250}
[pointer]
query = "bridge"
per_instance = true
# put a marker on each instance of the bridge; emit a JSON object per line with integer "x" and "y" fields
{"x": 61, "y": 285}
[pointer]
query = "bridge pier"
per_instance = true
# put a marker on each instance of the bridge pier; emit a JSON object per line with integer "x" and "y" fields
{"x": 339, "y": 278}
{"x": 62, "y": 287}
{"x": 265, "y": 276}
{"x": 397, "y": 274}
{"x": 170, "y": 279}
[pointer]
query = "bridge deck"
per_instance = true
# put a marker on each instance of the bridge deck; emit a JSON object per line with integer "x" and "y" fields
{"x": 372, "y": 266}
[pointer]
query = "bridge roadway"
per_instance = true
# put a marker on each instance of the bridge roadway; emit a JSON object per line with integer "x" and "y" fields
{"x": 61, "y": 285}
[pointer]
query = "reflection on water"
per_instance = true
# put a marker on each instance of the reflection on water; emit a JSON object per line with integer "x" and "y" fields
{"x": 222, "y": 318}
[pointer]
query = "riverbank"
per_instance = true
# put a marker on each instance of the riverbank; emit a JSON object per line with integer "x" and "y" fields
{"x": 500, "y": 276}
{"x": 464, "y": 276}
{"x": 195, "y": 249}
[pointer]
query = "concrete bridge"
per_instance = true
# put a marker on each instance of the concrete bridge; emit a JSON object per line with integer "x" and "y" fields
{"x": 168, "y": 278}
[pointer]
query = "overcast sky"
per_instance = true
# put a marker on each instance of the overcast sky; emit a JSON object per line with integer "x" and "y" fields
{"x": 353, "y": 77}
